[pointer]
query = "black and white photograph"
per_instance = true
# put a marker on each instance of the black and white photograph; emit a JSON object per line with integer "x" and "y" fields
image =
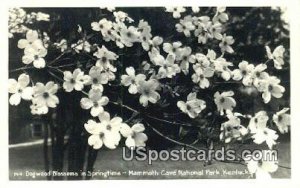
{"x": 149, "y": 93}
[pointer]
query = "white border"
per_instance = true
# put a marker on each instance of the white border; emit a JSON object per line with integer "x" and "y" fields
{"x": 293, "y": 8}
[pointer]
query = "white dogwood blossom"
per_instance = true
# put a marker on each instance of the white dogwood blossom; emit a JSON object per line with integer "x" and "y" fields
{"x": 261, "y": 133}
{"x": 226, "y": 43}
{"x": 173, "y": 48}
{"x": 45, "y": 95}
{"x": 81, "y": 45}
{"x": 97, "y": 78}
{"x": 224, "y": 101}
{"x": 282, "y": 120}
{"x": 221, "y": 15}
{"x": 276, "y": 56}
{"x": 260, "y": 167}
{"x": 104, "y": 56}
{"x": 148, "y": 92}
{"x": 95, "y": 102}
{"x": 134, "y": 135}
{"x": 185, "y": 26}
{"x": 270, "y": 87}
{"x": 101, "y": 136}
{"x": 176, "y": 11}
{"x": 75, "y": 80}
{"x": 34, "y": 50}
{"x": 244, "y": 73}
{"x": 192, "y": 106}
{"x": 19, "y": 89}
{"x": 232, "y": 129}
{"x": 132, "y": 80}
{"x": 222, "y": 67}
{"x": 32, "y": 38}
{"x": 201, "y": 75}
{"x": 168, "y": 68}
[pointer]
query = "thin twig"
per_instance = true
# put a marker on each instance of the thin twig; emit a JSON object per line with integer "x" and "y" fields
{"x": 21, "y": 68}
{"x": 172, "y": 140}
{"x": 55, "y": 76}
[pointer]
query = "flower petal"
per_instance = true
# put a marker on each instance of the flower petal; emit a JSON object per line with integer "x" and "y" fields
{"x": 15, "y": 99}
{"x": 138, "y": 127}
{"x": 39, "y": 63}
{"x": 95, "y": 141}
{"x": 27, "y": 93}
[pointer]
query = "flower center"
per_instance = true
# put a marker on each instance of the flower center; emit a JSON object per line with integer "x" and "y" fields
{"x": 146, "y": 91}
{"x": 95, "y": 104}
{"x": 101, "y": 135}
{"x": 129, "y": 34}
{"x": 108, "y": 127}
{"x": 228, "y": 128}
{"x": 104, "y": 59}
{"x": 280, "y": 118}
{"x": 46, "y": 95}
{"x": 133, "y": 135}
{"x": 222, "y": 100}
{"x": 188, "y": 107}
{"x": 72, "y": 81}
{"x": 270, "y": 88}
{"x": 257, "y": 74}
{"x": 95, "y": 81}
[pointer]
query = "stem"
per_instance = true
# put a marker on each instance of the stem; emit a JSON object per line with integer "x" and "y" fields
{"x": 152, "y": 117}
{"x": 45, "y": 151}
{"x": 65, "y": 52}
{"x": 55, "y": 76}
{"x": 172, "y": 140}
{"x": 21, "y": 68}
{"x": 92, "y": 156}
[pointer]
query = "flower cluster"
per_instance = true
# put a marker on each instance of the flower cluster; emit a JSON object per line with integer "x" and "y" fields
{"x": 42, "y": 96}
{"x": 257, "y": 76}
{"x": 109, "y": 130}
{"x": 34, "y": 49}
{"x": 19, "y": 19}
{"x": 123, "y": 35}
{"x": 203, "y": 27}
{"x": 138, "y": 84}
